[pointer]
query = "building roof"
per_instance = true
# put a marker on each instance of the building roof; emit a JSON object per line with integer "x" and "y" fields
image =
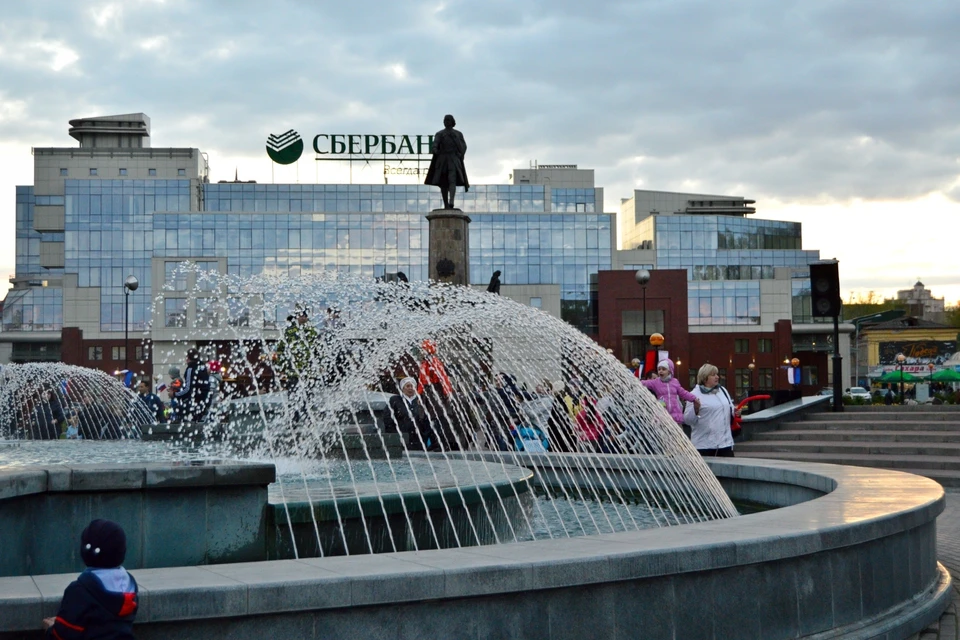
{"x": 906, "y": 322}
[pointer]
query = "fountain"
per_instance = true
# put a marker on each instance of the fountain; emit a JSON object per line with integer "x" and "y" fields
{"x": 316, "y": 390}
{"x": 49, "y": 401}
{"x": 502, "y": 514}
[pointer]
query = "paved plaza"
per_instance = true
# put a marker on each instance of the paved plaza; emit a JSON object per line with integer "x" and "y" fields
{"x": 948, "y": 551}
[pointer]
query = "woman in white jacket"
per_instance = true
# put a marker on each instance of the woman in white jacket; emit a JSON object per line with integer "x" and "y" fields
{"x": 710, "y": 422}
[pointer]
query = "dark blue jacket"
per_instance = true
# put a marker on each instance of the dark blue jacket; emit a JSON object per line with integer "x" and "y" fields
{"x": 88, "y": 610}
{"x": 154, "y": 405}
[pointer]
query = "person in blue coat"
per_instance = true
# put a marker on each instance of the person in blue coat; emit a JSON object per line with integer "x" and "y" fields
{"x": 102, "y": 601}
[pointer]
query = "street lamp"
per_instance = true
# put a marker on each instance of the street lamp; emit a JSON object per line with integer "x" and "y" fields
{"x": 751, "y": 367}
{"x": 900, "y": 360}
{"x": 129, "y": 285}
{"x": 643, "y": 277}
{"x": 795, "y": 363}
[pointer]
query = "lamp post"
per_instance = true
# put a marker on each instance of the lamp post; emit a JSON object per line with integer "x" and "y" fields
{"x": 643, "y": 277}
{"x": 130, "y": 284}
{"x": 900, "y": 360}
{"x": 750, "y": 367}
{"x": 795, "y": 363}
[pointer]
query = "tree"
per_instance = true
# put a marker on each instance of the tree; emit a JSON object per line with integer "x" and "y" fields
{"x": 860, "y": 304}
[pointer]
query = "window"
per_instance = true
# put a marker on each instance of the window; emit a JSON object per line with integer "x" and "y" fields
{"x": 536, "y": 303}
{"x": 94, "y": 353}
{"x": 765, "y": 378}
{"x": 181, "y": 172}
{"x": 207, "y": 272}
{"x": 123, "y": 171}
{"x": 693, "y": 378}
{"x": 206, "y": 313}
{"x": 139, "y": 353}
{"x": 64, "y": 172}
{"x": 118, "y": 354}
{"x": 175, "y": 278}
{"x": 175, "y": 312}
{"x": 151, "y": 172}
{"x": 742, "y": 383}
{"x": 93, "y": 171}
{"x": 765, "y": 345}
{"x": 723, "y": 376}
{"x": 238, "y": 313}
{"x": 809, "y": 376}
{"x": 741, "y": 345}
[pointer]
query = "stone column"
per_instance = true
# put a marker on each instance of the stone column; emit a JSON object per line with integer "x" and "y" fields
{"x": 449, "y": 252}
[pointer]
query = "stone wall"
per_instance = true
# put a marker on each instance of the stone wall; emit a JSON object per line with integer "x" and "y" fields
{"x": 173, "y": 515}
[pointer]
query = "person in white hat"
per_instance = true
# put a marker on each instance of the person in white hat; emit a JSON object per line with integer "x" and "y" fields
{"x": 407, "y": 416}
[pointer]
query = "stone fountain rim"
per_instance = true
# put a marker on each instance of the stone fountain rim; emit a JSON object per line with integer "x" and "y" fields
{"x": 859, "y": 505}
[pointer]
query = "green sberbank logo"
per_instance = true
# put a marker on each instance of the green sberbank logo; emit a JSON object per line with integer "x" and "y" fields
{"x": 285, "y": 148}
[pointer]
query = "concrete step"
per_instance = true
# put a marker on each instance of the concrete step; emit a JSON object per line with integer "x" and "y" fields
{"x": 861, "y": 435}
{"x": 946, "y": 477}
{"x": 851, "y": 425}
{"x": 924, "y": 465}
{"x": 884, "y": 416}
{"x": 897, "y": 449}
{"x": 908, "y": 408}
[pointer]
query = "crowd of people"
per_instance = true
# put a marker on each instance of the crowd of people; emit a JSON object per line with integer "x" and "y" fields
{"x": 501, "y": 414}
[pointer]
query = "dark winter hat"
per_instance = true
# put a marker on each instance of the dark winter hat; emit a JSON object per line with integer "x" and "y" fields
{"x": 103, "y": 544}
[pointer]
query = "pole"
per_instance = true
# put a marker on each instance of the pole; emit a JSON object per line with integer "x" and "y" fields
{"x": 644, "y": 317}
{"x": 126, "y": 328}
{"x": 901, "y": 382}
{"x": 837, "y": 368}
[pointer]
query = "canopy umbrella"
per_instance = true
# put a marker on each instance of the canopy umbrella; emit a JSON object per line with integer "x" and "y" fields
{"x": 945, "y": 375}
{"x": 894, "y": 376}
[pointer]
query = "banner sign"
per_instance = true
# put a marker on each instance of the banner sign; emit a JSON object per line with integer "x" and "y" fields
{"x": 287, "y": 147}
{"x": 368, "y": 144}
{"x": 918, "y": 352}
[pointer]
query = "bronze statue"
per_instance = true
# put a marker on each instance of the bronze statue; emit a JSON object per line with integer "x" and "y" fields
{"x": 446, "y": 167}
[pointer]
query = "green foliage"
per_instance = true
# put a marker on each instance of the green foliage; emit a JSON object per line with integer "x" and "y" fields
{"x": 952, "y": 317}
{"x": 868, "y": 305}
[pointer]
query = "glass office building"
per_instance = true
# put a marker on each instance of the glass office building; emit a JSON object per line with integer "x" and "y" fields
{"x": 35, "y": 306}
{"x": 726, "y": 257}
{"x": 115, "y": 227}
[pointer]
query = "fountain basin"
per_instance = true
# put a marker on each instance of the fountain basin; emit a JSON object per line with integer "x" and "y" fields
{"x": 858, "y": 561}
{"x": 410, "y": 513}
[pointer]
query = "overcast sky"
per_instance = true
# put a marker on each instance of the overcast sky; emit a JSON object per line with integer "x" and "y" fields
{"x": 839, "y": 114}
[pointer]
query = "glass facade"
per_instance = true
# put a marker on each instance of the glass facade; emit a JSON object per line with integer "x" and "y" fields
{"x": 725, "y": 258}
{"x": 547, "y": 248}
{"x": 109, "y": 235}
{"x": 36, "y": 307}
{"x": 728, "y": 248}
{"x": 573, "y": 200}
{"x": 114, "y": 228}
{"x": 723, "y": 303}
{"x": 370, "y": 198}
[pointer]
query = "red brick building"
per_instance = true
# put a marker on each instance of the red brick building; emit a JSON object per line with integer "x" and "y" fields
{"x": 730, "y": 348}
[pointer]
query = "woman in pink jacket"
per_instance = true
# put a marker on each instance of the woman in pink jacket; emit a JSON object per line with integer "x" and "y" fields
{"x": 669, "y": 392}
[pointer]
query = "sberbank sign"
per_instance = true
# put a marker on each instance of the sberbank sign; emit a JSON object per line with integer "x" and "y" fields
{"x": 287, "y": 147}
{"x": 369, "y": 144}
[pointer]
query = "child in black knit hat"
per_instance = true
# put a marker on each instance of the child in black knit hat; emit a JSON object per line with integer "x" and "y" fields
{"x": 102, "y": 601}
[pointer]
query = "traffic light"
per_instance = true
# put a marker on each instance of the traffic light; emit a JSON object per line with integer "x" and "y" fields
{"x": 825, "y": 289}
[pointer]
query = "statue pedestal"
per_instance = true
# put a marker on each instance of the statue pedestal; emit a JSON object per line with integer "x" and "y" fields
{"x": 449, "y": 251}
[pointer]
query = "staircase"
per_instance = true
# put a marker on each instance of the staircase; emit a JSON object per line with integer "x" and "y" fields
{"x": 920, "y": 439}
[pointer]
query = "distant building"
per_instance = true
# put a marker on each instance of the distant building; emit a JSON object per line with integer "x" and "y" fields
{"x": 748, "y": 280}
{"x": 926, "y": 345}
{"x": 116, "y": 206}
{"x": 921, "y": 302}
